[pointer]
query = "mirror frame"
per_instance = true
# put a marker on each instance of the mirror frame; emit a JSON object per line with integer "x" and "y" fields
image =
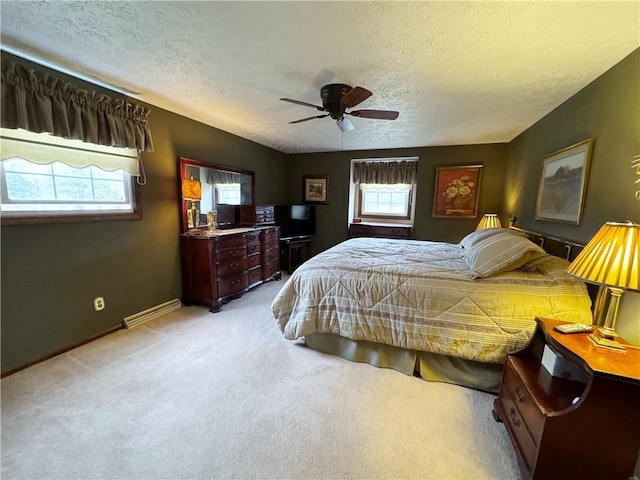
{"x": 184, "y": 162}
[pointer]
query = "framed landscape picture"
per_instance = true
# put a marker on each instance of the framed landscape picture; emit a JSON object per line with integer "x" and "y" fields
{"x": 315, "y": 189}
{"x": 456, "y": 191}
{"x": 563, "y": 184}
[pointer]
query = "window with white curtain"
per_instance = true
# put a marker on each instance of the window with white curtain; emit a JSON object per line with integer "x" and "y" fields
{"x": 380, "y": 200}
{"x": 228, "y": 193}
{"x": 383, "y": 190}
{"x": 46, "y": 178}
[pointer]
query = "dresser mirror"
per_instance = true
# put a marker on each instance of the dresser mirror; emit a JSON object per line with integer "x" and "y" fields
{"x": 215, "y": 196}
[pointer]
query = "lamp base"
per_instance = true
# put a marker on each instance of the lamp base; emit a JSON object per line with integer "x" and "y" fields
{"x": 603, "y": 342}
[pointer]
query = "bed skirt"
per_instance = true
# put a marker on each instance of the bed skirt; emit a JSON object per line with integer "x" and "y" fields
{"x": 429, "y": 366}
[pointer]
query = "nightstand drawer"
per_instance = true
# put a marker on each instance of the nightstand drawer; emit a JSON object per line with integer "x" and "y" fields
{"x": 518, "y": 429}
{"x": 532, "y": 416}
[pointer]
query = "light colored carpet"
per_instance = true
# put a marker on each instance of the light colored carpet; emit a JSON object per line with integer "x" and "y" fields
{"x": 200, "y": 395}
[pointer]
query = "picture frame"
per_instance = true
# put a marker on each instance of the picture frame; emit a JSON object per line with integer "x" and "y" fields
{"x": 315, "y": 189}
{"x": 563, "y": 184}
{"x": 456, "y": 192}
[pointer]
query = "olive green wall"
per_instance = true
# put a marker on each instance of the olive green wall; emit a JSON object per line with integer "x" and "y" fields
{"x": 51, "y": 273}
{"x": 607, "y": 110}
{"x": 331, "y": 220}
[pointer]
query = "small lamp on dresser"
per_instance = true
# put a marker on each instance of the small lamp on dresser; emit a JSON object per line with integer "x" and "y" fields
{"x": 489, "y": 220}
{"x": 610, "y": 259}
{"x": 192, "y": 191}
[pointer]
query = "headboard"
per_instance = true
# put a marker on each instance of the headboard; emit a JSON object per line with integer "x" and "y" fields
{"x": 561, "y": 247}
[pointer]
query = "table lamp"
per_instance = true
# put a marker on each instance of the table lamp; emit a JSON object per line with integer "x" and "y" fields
{"x": 192, "y": 190}
{"x": 489, "y": 220}
{"x": 610, "y": 259}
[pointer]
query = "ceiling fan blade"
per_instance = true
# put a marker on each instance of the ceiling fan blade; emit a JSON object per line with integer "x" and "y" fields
{"x": 298, "y": 102}
{"x": 379, "y": 114}
{"x": 309, "y": 118}
{"x": 354, "y": 96}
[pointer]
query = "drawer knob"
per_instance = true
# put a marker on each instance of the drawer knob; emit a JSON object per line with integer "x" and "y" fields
{"x": 514, "y": 419}
{"x": 521, "y": 398}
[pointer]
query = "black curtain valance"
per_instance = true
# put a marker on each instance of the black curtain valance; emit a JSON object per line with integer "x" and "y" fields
{"x": 389, "y": 173}
{"x": 40, "y": 102}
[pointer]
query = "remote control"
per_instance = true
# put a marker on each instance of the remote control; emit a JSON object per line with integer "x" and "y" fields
{"x": 574, "y": 328}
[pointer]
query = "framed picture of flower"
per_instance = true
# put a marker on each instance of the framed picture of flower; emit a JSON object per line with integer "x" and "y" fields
{"x": 563, "y": 184}
{"x": 456, "y": 192}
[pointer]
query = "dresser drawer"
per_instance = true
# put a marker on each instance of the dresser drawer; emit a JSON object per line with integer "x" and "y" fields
{"x": 230, "y": 241}
{"x": 270, "y": 234}
{"x": 232, "y": 267}
{"x": 270, "y": 255}
{"x": 274, "y": 243}
{"x": 253, "y": 248}
{"x": 253, "y": 261}
{"x": 529, "y": 411}
{"x": 233, "y": 285}
{"x": 378, "y": 231}
{"x": 255, "y": 275}
{"x": 519, "y": 432}
{"x": 253, "y": 237}
{"x": 270, "y": 268}
{"x": 230, "y": 254}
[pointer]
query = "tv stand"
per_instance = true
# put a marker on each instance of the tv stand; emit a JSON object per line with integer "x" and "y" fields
{"x": 294, "y": 251}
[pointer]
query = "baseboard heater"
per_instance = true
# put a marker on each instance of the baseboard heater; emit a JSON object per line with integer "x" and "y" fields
{"x": 151, "y": 313}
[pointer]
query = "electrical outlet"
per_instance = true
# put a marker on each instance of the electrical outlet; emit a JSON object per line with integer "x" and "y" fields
{"x": 98, "y": 303}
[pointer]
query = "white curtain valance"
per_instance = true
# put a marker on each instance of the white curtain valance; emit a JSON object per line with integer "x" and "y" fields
{"x": 43, "y": 149}
{"x": 381, "y": 172}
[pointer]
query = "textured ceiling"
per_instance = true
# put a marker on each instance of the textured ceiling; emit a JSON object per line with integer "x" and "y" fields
{"x": 458, "y": 72}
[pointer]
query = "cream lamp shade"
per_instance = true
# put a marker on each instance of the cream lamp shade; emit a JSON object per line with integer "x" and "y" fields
{"x": 612, "y": 259}
{"x": 489, "y": 220}
{"x": 191, "y": 189}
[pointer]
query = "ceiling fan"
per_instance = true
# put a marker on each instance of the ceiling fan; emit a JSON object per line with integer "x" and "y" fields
{"x": 336, "y": 99}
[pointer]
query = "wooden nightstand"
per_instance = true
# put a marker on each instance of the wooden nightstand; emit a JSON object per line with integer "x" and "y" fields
{"x": 581, "y": 422}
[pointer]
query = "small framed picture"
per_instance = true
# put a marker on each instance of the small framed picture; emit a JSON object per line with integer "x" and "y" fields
{"x": 457, "y": 191}
{"x": 563, "y": 184}
{"x": 315, "y": 189}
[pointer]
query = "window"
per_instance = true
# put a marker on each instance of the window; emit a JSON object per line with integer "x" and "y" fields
{"x": 58, "y": 187}
{"x": 381, "y": 200}
{"x": 35, "y": 188}
{"x": 228, "y": 193}
{"x": 383, "y": 190}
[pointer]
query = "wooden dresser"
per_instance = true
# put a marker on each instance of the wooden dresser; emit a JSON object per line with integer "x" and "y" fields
{"x": 217, "y": 268}
{"x": 379, "y": 230}
{"x": 572, "y": 410}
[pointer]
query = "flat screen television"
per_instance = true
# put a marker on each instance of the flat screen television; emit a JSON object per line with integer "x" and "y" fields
{"x": 296, "y": 220}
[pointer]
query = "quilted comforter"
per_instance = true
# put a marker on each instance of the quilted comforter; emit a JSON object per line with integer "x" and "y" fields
{"x": 421, "y": 296}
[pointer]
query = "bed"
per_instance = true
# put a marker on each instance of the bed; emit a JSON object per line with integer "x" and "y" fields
{"x": 446, "y": 312}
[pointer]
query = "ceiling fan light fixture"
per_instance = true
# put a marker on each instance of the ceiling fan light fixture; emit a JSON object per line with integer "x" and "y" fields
{"x": 345, "y": 125}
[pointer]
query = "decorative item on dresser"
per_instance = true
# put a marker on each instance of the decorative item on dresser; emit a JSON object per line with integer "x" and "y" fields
{"x": 379, "y": 230}
{"x": 570, "y": 408}
{"x": 265, "y": 215}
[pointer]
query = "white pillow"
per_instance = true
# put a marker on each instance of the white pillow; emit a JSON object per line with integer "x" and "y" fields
{"x": 500, "y": 253}
{"x": 479, "y": 235}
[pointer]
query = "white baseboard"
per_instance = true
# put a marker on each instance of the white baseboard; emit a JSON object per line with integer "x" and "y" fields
{"x": 151, "y": 313}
